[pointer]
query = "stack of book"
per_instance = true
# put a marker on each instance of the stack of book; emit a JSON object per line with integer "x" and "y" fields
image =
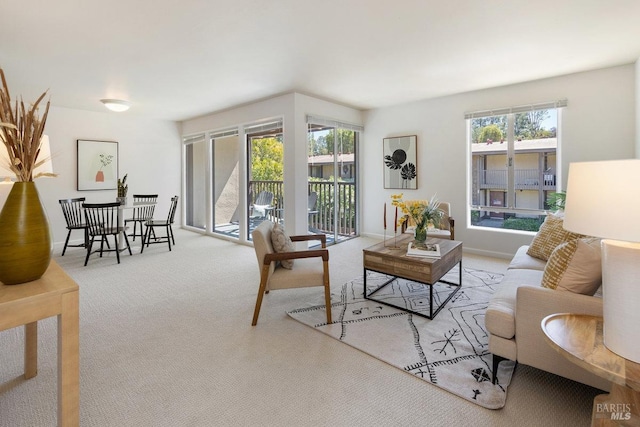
{"x": 425, "y": 250}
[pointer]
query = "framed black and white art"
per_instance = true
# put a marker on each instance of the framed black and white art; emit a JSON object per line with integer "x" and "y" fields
{"x": 399, "y": 157}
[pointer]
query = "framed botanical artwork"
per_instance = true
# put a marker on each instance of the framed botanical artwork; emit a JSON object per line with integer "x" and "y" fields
{"x": 97, "y": 165}
{"x": 400, "y": 168}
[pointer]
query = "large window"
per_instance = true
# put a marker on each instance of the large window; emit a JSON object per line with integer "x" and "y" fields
{"x": 514, "y": 166}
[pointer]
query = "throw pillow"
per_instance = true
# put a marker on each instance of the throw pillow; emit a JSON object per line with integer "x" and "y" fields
{"x": 282, "y": 243}
{"x": 575, "y": 266}
{"x": 550, "y": 235}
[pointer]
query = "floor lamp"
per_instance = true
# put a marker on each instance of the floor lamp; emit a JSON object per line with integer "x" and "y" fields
{"x": 603, "y": 200}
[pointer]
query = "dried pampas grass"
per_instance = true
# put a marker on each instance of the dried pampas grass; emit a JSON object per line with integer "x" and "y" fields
{"x": 21, "y": 131}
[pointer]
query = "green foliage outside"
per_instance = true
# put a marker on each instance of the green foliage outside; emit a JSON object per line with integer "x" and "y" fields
{"x": 525, "y": 224}
{"x": 321, "y": 142}
{"x": 490, "y": 133}
{"x": 327, "y": 199}
{"x": 527, "y": 126}
{"x": 267, "y": 159}
{"x": 556, "y": 200}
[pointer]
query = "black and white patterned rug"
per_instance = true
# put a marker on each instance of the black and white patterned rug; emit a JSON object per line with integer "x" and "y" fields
{"x": 450, "y": 351}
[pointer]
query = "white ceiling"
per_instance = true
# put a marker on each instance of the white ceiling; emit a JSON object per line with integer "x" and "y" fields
{"x": 180, "y": 59}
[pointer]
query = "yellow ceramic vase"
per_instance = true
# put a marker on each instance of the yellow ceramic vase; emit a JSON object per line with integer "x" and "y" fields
{"x": 25, "y": 239}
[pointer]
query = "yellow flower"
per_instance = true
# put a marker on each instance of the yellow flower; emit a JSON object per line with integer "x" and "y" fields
{"x": 420, "y": 211}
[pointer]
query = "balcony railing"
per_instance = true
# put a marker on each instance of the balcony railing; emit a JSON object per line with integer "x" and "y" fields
{"x": 525, "y": 179}
{"x": 321, "y": 219}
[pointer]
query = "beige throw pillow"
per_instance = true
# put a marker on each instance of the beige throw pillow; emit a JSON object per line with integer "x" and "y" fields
{"x": 282, "y": 243}
{"x": 550, "y": 235}
{"x": 575, "y": 266}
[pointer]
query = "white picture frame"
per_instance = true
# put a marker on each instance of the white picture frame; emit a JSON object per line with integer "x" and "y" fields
{"x": 97, "y": 165}
{"x": 399, "y": 157}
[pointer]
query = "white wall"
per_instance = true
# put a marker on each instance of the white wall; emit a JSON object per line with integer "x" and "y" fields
{"x": 148, "y": 151}
{"x": 293, "y": 108}
{"x": 599, "y": 123}
{"x": 638, "y": 108}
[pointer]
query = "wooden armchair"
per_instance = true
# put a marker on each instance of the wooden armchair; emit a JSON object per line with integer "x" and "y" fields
{"x": 307, "y": 269}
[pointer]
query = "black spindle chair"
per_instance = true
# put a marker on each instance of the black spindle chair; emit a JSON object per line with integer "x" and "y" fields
{"x": 74, "y": 216}
{"x": 141, "y": 214}
{"x": 166, "y": 224}
{"x": 102, "y": 221}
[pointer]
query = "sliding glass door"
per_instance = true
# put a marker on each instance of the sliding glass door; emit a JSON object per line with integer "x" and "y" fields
{"x": 196, "y": 181}
{"x": 332, "y": 170}
{"x": 226, "y": 183}
{"x": 265, "y": 180}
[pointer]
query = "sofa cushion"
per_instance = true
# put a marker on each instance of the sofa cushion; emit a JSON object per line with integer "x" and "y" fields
{"x": 550, "y": 235}
{"x": 282, "y": 243}
{"x": 523, "y": 260}
{"x": 575, "y": 266}
{"x": 500, "y": 317}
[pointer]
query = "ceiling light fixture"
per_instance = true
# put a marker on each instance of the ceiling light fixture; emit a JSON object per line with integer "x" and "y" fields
{"x": 117, "y": 105}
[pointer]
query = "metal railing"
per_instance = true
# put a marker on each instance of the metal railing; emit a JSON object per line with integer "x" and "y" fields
{"x": 525, "y": 179}
{"x": 321, "y": 219}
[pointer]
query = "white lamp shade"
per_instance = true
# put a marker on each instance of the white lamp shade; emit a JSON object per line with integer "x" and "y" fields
{"x": 45, "y": 154}
{"x": 4, "y": 162}
{"x": 603, "y": 199}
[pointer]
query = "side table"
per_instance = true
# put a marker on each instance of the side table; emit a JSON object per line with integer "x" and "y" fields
{"x": 579, "y": 338}
{"x": 54, "y": 294}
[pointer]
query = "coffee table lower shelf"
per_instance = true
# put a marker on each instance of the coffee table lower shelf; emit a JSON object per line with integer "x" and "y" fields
{"x": 432, "y": 313}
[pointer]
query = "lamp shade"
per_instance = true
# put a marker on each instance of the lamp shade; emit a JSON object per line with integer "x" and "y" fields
{"x": 45, "y": 154}
{"x": 4, "y": 162}
{"x": 603, "y": 199}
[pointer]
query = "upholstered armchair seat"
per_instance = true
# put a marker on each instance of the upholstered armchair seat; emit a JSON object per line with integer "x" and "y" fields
{"x": 311, "y": 267}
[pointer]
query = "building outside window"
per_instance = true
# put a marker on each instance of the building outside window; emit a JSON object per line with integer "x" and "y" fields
{"x": 514, "y": 166}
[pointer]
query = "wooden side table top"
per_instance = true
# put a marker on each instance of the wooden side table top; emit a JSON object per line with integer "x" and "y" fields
{"x": 579, "y": 338}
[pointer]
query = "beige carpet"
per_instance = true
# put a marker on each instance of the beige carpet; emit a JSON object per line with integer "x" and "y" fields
{"x": 166, "y": 340}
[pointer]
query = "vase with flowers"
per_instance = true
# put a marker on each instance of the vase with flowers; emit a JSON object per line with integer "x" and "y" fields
{"x": 421, "y": 213}
{"x": 123, "y": 187}
{"x": 25, "y": 238}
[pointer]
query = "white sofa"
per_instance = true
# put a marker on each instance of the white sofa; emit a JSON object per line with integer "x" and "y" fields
{"x": 516, "y": 310}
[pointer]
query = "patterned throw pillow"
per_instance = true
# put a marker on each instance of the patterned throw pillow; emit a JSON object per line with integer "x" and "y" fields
{"x": 575, "y": 266}
{"x": 282, "y": 243}
{"x": 550, "y": 235}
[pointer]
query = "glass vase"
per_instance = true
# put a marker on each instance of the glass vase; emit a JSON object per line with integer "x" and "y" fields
{"x": 420, "y": 234}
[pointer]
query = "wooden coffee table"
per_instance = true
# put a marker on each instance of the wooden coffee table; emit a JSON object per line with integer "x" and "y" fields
{"x": 394, "y": 262}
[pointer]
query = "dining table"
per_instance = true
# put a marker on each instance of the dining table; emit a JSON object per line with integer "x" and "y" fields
{"x": 126, "y": 206}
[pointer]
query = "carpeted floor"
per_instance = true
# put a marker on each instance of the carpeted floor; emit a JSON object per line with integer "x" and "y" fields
{"x": 449, "y": 351}
{"x": 166, "y": 340}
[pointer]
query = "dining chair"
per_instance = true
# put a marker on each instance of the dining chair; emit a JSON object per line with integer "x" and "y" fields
{"x": 102, "y": 221}
{"x": 74, "y": 216}
{"x": 151, "y": 224}
{"x": 141, "y": 214}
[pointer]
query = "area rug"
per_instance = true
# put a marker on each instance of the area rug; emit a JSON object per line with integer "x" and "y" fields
{"x": 450, "y": 351}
